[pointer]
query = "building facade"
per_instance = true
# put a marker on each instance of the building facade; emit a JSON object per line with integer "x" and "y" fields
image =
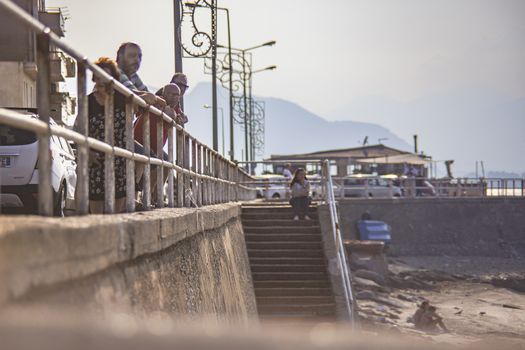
{"x": 18, "y": 69}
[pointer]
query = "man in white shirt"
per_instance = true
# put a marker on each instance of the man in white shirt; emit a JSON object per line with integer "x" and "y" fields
{"x": 287, "y": 173}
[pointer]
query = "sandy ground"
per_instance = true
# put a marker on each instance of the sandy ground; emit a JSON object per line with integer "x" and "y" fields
{"x": 468, "y": 293}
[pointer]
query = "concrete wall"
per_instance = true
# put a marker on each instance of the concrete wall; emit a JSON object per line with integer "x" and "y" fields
{"x": 493, "y": 227}
{"x": 177, "y": 261}
{"x": 17, "y": 88}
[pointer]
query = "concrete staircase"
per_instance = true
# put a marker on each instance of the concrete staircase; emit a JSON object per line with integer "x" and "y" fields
{"x": 288, "y": 264}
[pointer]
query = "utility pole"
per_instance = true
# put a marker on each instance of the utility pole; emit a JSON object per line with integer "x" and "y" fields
{"x": 214, "y": 73}
{"x": 178, "y": 45}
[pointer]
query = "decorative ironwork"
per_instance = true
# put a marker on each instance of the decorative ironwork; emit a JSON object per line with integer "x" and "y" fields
{"x": 196, "y": 42}
{"x": 223, "y": 70}
{"x": 258, "y": 128}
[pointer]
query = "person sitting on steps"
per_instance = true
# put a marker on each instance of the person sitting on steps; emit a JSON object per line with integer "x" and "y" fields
{"x": 300, "y": 191}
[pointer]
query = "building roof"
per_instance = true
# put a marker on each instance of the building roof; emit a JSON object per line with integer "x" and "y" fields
{"x": 372, "y": 151}
{"x": 408, "y": 158}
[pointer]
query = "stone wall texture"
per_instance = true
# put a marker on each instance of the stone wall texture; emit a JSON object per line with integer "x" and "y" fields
{"x": 176, "y": 261}
{"x": 490, "y": 227}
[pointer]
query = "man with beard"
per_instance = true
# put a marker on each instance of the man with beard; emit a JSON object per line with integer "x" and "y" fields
{"x": 129, "y": 58}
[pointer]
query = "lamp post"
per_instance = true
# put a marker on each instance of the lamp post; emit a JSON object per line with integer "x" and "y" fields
{"x": 246, "y": 72}
{"x": 200, "y": 44}
{"x": 222, "y": 124}
{"x": 252, "y": 121}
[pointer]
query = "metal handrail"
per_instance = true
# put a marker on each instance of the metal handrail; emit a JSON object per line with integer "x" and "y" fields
{"x": 441, "y": 187}
{"x": 21, "y": 121}
{"x": 216, "y": 174}
{"x": 341, "y": 253}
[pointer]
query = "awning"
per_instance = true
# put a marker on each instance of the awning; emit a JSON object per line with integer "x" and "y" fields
{"x": 395, "y": 159}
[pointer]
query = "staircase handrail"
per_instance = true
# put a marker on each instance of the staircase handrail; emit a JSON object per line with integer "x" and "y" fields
{"x": 341, "y": 253}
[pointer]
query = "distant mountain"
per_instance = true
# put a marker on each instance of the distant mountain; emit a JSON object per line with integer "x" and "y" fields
{"x": 464, "y": 126}
{"x": 289, "y": 127}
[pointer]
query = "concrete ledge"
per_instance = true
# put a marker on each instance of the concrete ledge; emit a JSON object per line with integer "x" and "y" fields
{"x": 37, "y": 251}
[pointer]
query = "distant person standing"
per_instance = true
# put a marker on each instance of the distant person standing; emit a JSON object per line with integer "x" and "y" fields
{"x": 287, "y": 172}
{"x": 300, "y": 188}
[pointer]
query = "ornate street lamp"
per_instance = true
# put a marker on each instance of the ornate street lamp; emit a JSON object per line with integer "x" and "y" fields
{"x": 239, "y": 63}
{"x": 197, "y": 43}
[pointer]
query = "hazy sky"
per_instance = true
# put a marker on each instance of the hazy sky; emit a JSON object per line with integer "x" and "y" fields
{"x": 369, "y": 60}
{"x": 330, "y": 51}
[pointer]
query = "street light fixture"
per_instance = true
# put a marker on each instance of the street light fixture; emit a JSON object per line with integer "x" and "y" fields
{"x": 201, "y": 44}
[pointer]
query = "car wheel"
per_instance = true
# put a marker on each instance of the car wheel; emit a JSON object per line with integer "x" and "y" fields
{"x": 397, "y": 195}
{"x": 370, "y": 195}
{"x": 276, "y": 196}
{"x": 60, "y": 205}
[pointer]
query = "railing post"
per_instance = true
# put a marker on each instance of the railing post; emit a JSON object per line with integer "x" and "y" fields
{"x": 204, "y": 167}
{"x": 209, "y": 173}
{"x": 215, "y": 175}
{"x": 195, "y": 179}
{"x": 146, "y": 183}
{"x": 130, "y": 163}
{"x": 187, "y": 178}
{"x": 109, "y": 158}
{"x": 160, "y": 168}
{"x": 198, "y": 188}
{"x": 45, "y": 191}
{"x": 171, "y": 202}
{"x": 82, "y": 187}
{"x": 180, "y": 162}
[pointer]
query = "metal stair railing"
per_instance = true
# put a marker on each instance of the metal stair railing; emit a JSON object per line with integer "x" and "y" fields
{"x": 341, "y": 253}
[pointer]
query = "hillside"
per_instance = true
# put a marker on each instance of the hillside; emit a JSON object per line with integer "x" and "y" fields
{"x": 289, "y": 127}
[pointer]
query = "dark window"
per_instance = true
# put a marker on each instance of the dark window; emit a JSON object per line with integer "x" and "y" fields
{"x": 10, "y": 136}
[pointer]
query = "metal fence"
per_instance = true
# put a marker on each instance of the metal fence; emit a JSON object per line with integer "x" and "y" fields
{"x": 203, "y": 175}
{"x": 410, "y": 187}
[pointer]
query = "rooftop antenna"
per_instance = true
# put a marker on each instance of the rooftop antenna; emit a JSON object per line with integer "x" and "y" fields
{"x": 365, "y": 141}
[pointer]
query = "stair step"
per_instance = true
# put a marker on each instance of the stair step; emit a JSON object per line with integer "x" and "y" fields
{"x": 297, "y": 284}
{"x": 279, "y": 222}
{"x": 271, "y": 207}
{"x": 288, "y": 268}
{"x": 294, "y": 300}
{"x": 303, "y": 322}
{"x": 287, "y": 261}
{"x": 290, "y": 276}
{"x": 282, "y": 229}
{"x": 296, "y": 292}
{"x": 284, "y": 245}
{"x": 276, "y": 216}
{"x": 315, "y": 309}
{"x": 274, "y": 210}
{"x": 281, "y": 253}
{"x": 280, "y": 237}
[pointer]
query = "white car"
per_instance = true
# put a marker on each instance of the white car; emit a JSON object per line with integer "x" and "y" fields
{"x": 271, "y": 186}
{"x": 19, "y": 170}
{"x": 369, "y": 187}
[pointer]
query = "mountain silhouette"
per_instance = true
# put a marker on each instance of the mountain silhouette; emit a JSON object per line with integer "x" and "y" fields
{"x": 289, "y": 128}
